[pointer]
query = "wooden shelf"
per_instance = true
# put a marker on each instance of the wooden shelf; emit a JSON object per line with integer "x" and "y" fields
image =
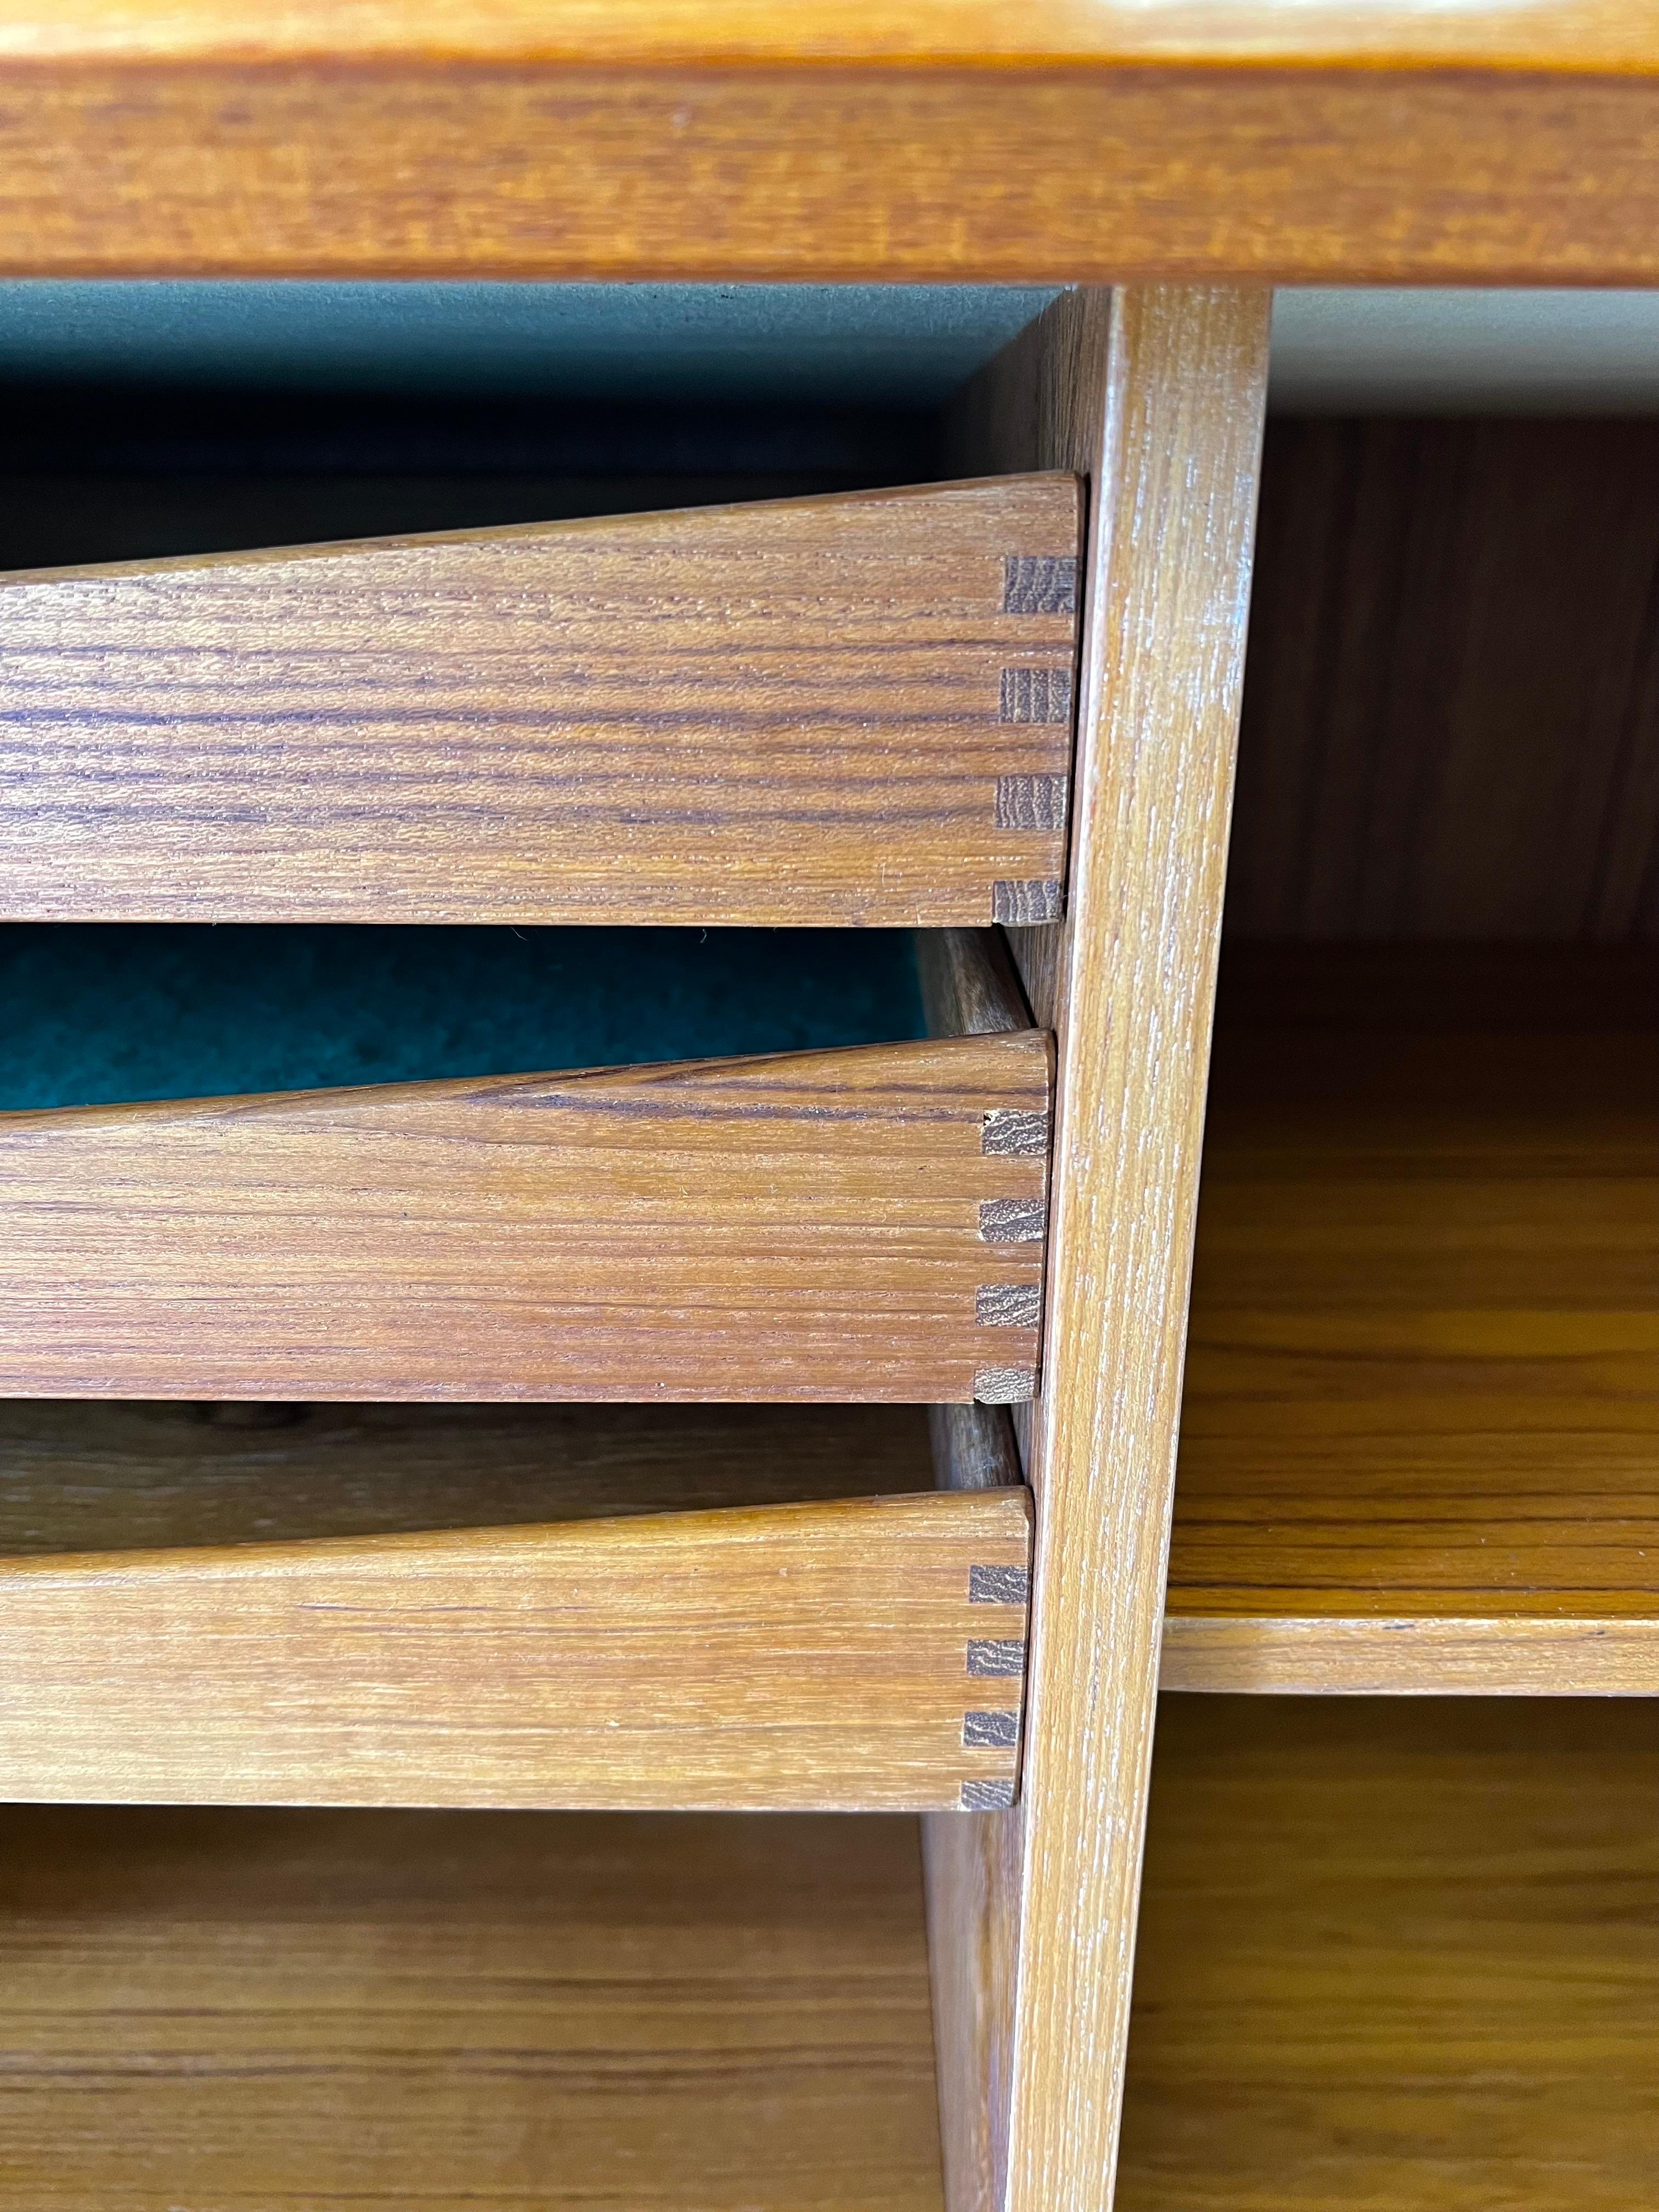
{"x": 1420, "y": 1447}
{"x": 300, "y": 2010}
{"x": 863, "y": 1653}
{"x": 1396, "y": 1954}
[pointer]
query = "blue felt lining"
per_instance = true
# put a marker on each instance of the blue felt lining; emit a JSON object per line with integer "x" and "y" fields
{"x": 103, "y": 1014}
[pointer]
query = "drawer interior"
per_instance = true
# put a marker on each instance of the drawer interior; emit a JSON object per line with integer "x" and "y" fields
{"x": 117, "y": 1013}
{"x": 80, "y": 1476}
{"x": 144, "y": 420}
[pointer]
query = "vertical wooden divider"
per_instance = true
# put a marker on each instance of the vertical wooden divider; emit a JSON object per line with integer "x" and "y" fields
{"x": 1155, "y": 393}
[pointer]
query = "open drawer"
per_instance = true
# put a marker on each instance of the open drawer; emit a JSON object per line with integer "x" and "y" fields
{"x": 206, "y": 1611}
{"x": 866, "y": 1223}
{"x": 848, "y": 709}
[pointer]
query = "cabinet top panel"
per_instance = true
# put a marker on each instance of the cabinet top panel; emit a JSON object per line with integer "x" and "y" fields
{"x": 1059, "y": 142}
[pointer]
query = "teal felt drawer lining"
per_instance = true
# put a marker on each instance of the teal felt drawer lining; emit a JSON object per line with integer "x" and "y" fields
{"x": 98, "y": 1015}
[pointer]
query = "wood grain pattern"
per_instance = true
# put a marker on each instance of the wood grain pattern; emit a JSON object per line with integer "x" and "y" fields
{"x": 969, "y": 985}
{"x": 814, "y": 1226}
{"x": 822, "y": 711}
{"x": 1349, "y": 163}
{"x": 105, "y": 1475}
{"x": 672, "y": 2013}
{"x": 1157, "y": 396}
{"x": 1420, "y": 1652}
{"x": 1399, "y": 1956}
{"x": 1421, "y": 1431}
{"x": 863, "y": 1655}
{"x": 1452, "y": 695}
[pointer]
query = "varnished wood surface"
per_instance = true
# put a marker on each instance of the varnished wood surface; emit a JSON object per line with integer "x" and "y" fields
{"x": 859, "y": 1654}
{"x": 446, "y": 2010}
{"x": 1514, "y": 147}
{"x": 1397, "y": 1955}
{"x": 1453, "y": 685}
{"x": 1421, "y": 1431}
{"x": 1156, "y": 395}
{"x": 822, "y": 711}
{"x": 1583, "y": 36}
{"x": 864, "y": 1224}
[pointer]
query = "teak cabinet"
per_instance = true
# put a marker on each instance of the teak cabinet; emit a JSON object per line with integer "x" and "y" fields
{"x": 997, "y": 1616}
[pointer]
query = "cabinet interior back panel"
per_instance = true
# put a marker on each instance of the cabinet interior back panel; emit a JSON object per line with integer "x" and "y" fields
{"x": 1451, "y": 707}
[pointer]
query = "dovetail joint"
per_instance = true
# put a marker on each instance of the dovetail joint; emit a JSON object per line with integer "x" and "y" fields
{"x": 1014, "y": 1133}
{"x": 999, "y": 1585}
{"x": 1012, "y": 1220}
{"x": 1031, "y": 802}
{"x": 1036, "y": 694}
{"x": 984, "y": 1731}
{"x": 986, "y": 1796}
{"x": 1004, "y": 1386}
{"x": 1039, "y": 583}
{"x": 1022, "y": 902}
{"x": 1008, "y": 1305}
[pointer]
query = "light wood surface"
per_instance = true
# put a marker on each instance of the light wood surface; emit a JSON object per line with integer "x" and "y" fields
{"x": 1420, "y": 1445}
{"x": 1060, "y": 142}
{"x": 1397, "y": 1955}
{"x": 848, "y": 709}
{"x": 864, "y": 1223}
{"x": 1156, "y": 395}
{"x": 1450, "y": 691}
{"x": 495, "y": 2011}
{"x": 1420, "y": 1651}
{"x": 107, "y": 1475}
{"x": 857, "y": 1654}
{"x": 1583, "y": 36}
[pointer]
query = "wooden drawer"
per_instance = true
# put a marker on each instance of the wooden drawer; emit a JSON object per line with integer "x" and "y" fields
{"x": 838, "y": 1651}
{"x": 862, "y": 1224}
{"x": 856, "y": 709}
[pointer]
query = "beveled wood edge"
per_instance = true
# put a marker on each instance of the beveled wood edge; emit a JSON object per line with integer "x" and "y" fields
{"x": 1447, "y": 1656}
{"x": 565, "y": 530}
{"x": 528, "y": 1085}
